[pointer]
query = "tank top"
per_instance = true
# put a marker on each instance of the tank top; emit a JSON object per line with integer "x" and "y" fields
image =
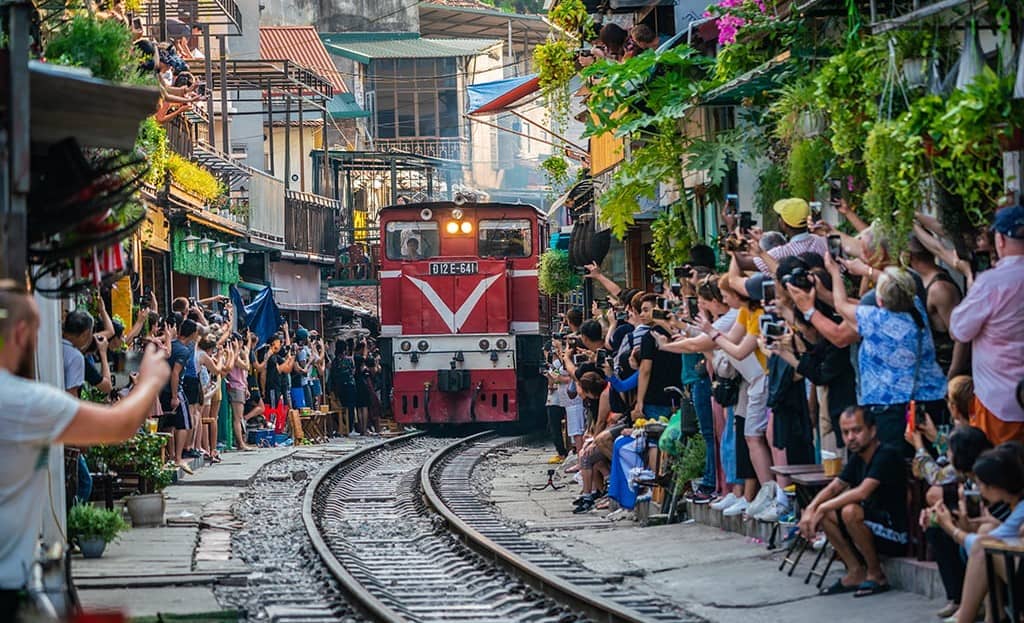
{"x": 943, "y": 342}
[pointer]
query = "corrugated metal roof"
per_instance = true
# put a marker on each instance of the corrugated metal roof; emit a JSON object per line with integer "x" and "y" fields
{"x": 302, "y": 45}
{"x": 364, "y": 47}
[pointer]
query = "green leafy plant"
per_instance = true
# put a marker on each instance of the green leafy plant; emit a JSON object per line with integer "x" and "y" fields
{"x": 140, "y": 455}
{"x": 691, "y": 465}
{"x": 807, "y": 167}
{"x": 194, "y": 178}
{"x": 555, "y": 61}
{"x": 86, "y": 521}
{"x": 894, "y": 160}
{"x": 152, "y": 141}
{"x": 572, "y": 17}
{"x": 671, "y": 240}
{"x": 555, "y": 274}
{"x": 104, "y": 46}
{"x": 796, "y": 105}
{"x": 556, "y": 170}
{"x": 772, "y": 185}
{"x": 849, "y": 85}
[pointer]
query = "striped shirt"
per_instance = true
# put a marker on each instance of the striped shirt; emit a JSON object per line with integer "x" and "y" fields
{"x": 800, "y": 243}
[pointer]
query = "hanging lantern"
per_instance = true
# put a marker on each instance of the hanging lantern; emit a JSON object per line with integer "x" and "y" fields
{"x": 190, "y": 243}
{"x": 218, "y": 249}
{"x": 204, "y": 244}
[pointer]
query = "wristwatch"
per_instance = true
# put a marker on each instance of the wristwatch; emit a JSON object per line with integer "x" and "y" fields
{"x": 809, "y": 313}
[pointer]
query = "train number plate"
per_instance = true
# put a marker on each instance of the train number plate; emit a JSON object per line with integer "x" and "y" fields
{"x": 453, "y": 268}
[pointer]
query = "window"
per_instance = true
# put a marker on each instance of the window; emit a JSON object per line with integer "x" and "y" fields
{"x": 505, "y": 238}
{"x": 415, "y": 98}
{"x": 411, "y": 240}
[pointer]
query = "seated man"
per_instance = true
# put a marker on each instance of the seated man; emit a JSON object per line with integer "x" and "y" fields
{"x": 863, "y": 511}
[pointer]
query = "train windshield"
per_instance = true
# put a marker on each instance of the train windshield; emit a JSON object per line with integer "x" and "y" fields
{"x": 505, "y": 238}
{"x": 411, "y": 240}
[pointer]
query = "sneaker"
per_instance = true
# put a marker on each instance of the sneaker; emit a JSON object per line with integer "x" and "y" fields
{"x": 725, "y": 502}
{"x": 819, "y": 543}
{"x": 577, "y": 478}
{"x": 354, "y": 434}
{"x": 555, "y": 460}
{"x": 772, "y": 513}
{"x": 765, "y": 497}
{"x": 738, "y": 508}
{"x": 699, "y": 497}
{"x": 586, "y": 506}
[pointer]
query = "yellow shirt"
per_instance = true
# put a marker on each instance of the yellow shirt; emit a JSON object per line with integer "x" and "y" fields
{"x": 751, "y": 320}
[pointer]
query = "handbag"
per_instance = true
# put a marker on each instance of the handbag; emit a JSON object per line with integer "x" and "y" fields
{"x": 726, "y": 392}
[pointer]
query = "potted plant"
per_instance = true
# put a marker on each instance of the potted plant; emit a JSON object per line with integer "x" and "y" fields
{"x": 92, "y": 528}
{"x": 139, "y": 458}
{"x": 914, "y": 49}
{"x": 798, "y": 112}
{"x": 104, "y": 46}
{"x": 555, "y": 274}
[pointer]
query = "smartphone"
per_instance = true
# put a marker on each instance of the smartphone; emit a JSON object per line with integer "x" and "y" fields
{"x": 815, "y": 211}
{"x": 147, "y": 291}
{"x": 981, "y": 261}
{"x": 683, "y": 272}
{"x": 972, "y": 499}
{"x": 677, "y": 289}
{"x": 951, "y": 495}
{"x": 661, "y": 302}
{"x": 835, "y": 246}
{"x": 767, "y": 291}
{"x": 602, "y": 355}
{"x": 746, "y": 221}
{"x": 835, "y": 191}
{"x": 691, "y": 306}
{"x": 137, "y": 23}
{"x": 580, "y": 359}
{"x": 659, "y": 314}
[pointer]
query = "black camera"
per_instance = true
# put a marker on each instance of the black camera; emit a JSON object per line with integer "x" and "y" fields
{"x": 602, "y": 355}
{"x": 683, "y": 272}
{"x": 799, "y": 278}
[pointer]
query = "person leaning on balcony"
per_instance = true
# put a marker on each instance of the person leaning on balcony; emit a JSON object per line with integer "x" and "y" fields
{"x": 33, "y": 417}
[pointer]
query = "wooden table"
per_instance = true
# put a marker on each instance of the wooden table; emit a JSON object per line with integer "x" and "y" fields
{"x": 313, "y": 426}
{"x": 1012, "y": 551}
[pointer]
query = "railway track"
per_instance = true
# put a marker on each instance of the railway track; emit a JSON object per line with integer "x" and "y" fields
{"x": 401, "y": 530}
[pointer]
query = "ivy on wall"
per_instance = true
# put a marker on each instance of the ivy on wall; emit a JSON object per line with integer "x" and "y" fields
{"x": 198, "y": 263}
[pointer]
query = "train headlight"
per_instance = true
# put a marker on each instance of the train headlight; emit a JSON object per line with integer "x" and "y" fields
{"x": 422, "y": 345}
{"x": 406, "y": 346}
{"x": 501, "y": 344}
{"x": 457, "y": 214}
{"x": 485, "y": 345}
{"x": 452, "y": 227}
{"x": 466, "y": 227}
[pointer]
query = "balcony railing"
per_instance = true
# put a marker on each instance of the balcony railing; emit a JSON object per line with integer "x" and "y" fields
{"x": 444, "y": 148}
{"x": 179, "y": 136}
{"x": 311, "y": 223}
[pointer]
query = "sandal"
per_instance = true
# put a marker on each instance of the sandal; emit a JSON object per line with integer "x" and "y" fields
{"x": 839, "y": 588}
{"x": 215, "y": 458}
{"x": 871, "y": 588}
{"x": 185, "y": 468}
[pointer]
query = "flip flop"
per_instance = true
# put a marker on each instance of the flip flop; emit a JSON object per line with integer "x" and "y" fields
{"x": 871, "y": 587}
{"x": 838, "y": 588}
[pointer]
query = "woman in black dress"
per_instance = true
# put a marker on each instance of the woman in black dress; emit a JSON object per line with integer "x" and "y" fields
{"x": 362, "y": 386}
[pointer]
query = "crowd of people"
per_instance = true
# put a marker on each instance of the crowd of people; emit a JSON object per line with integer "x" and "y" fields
{"x": 904, "y": 358}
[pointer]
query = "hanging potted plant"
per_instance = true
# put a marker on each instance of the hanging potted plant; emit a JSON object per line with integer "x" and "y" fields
{"x": 799, "y": 115}
{"x": 914, "y": 48}
{"x": 91, "y": 528}
{"x": 555, "y": 274}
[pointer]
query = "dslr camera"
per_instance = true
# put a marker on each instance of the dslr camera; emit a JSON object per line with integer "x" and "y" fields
{"x": 799, "y": 278}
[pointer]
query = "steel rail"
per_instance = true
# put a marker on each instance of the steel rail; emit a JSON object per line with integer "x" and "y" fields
{"x": 561, "y": 590}
{"x": 359, "y": 596}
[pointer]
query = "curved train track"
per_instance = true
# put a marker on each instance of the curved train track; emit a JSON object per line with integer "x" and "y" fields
{"x": 400, "y": 528}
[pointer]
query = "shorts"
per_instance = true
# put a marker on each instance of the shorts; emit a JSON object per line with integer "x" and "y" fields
{"x": 193, "y": 393}
{"x": 174, "y": 418}
{"x": 997, "y": 431}
{"x": 315, "y": 387}
{"x": 889, "y": 539}
{"x": 744, "y": 467}
{"x": 236, "y": 395}
{"x": 753, "y": 406}
{"x": 298, "y": 397}
{"x": 575, "y": 420}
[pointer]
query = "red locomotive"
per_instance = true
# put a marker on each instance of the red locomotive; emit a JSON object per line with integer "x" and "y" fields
{"x": 460, "y": 311}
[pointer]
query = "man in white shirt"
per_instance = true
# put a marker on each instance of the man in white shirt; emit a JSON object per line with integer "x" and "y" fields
{"x": 35, "y": 416}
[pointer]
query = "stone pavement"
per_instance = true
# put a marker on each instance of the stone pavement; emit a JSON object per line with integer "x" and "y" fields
{"x": 716, "y": 574}
{"x": 173, "y": 568}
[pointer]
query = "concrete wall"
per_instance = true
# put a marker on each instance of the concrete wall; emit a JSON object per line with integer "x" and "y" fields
{"x": 247, "y": 130}
{"x": 301, "y": 161}
{"x": 344, "y": 15}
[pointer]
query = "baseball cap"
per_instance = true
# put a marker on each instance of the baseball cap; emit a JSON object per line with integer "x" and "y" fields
{"x": 301, "y": 334}
{"x": 753, "y": 286}
{"x": 794, "y": 211}
{"x": 1009, "y": 222}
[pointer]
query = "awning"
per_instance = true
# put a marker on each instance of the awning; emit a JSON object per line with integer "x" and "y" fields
{"x": 296, "y": 286}
{"x": 344, "y": 106}
{"x": 764, "y": 77}
{"x": 500, "y": 95}
{"x": 364, "y": 47}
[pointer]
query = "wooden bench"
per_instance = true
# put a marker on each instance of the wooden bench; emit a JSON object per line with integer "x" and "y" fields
{"x": 1012, "y": 552}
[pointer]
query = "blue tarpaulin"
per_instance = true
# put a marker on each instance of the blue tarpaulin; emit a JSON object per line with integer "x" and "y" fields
{"x": 499, "y": 94}
{"x": 261, "y": 316}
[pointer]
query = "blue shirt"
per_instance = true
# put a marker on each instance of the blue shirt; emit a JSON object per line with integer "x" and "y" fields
{"x": 185, "y": 355}
{"x": 690, "y": 361}
{"x": 1006, "y": 530}
{"x": 888, "y": 358}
